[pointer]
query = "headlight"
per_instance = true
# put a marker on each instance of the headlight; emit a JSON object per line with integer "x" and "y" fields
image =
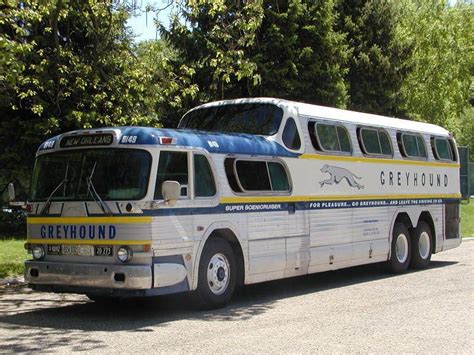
{"x": 38, "y": 252}
{"x": 124, "y": 254}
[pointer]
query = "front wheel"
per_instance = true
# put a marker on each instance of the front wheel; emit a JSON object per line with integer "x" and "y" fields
{"x": 422, "y": 246}
{"x": 217, "y": 275}
{"x": 400, "y": 250}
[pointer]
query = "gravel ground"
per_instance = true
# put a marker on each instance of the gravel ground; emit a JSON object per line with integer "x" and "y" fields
{"x": 355, "y": 310}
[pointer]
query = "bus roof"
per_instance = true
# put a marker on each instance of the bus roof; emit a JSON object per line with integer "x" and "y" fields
{"x": 331, "y": 113}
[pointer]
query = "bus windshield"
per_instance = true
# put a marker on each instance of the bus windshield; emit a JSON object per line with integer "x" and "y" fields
{"x": 116, "y": 174}
{"x": 261, "y": 119}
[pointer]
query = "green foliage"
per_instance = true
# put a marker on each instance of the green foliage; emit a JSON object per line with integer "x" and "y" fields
{"x": 65, "y": 65}
{"x": 299, "y": 54}
{"x": 437, "y": 90}
{"x": 211, "y": 38}
{"x": 287, "y": 49}
{"x": 379, "y": 62}
{"x": 465, "y": 135}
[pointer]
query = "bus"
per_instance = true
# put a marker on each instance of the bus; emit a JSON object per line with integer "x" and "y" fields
{"x": 243, "y": 191}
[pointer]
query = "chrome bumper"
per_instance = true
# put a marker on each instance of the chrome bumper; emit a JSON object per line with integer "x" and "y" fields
{"x": 134, "y": 277}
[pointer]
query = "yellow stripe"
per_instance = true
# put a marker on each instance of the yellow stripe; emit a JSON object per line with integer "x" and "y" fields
{"x": 88, "y": 242}
{"x": 273, "y": 199}
{"x": 378, "y": 160}
{"x": 89, "y": 220}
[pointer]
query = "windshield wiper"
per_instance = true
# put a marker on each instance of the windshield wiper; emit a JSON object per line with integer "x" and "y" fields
{"x": 48, "y": 201}
{"x": 91, "y": 189}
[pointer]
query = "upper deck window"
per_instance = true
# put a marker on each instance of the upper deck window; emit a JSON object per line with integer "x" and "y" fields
{"x": 443, "y": 148}
{"x": 254, "y": 118}
{"x": 291, "y": 137}
{"x": 375, "y": 141}
{"x": 256, "y": 175}
{"x": 328, "y": 137}
{"x": 116, "y": 174}
{"x": 412, "y": 145}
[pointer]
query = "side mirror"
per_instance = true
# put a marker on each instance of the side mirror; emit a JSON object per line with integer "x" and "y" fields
{"x": 11, "y": 192}
{"x": 171, "y": 191}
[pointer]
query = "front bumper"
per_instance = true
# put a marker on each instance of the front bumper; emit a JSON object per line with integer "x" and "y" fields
{"x": 110, "y": 276}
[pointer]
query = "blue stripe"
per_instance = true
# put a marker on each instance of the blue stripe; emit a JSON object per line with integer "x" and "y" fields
{"x": 213, "y": 142}
{"x": 299, "y": 206}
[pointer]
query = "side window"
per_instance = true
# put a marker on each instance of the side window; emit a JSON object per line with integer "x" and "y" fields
{"x": 442, "y": 148}
{"x": 374, "y": 141}
{"x": 172, "y": 166}
{"x": 255, "y": 175}
{"x": 385, "y": 143}
{"x": 290, "y": 137}
{"x": 204, "y": 184}
{"x": 330, "y": 138}
{"x": 412, "y": 145}
{"x": 278, "y": 177}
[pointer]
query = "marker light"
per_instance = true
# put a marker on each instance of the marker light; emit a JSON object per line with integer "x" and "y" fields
{"x": 38, "y": 252}
{"x": 124, "y": 254}
{"x": 167, "y": 140}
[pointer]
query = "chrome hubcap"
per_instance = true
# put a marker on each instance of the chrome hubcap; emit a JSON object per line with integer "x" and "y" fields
{"x": 401, "y": 248}
{"x": 218, "y": 274}
{"x": 424, "y": 245}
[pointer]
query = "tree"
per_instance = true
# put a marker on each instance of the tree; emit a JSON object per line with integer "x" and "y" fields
{"x": 299, "y": 54}
{"x": 437, "y": 90}
{"x": 378, "y": 64}
{"x": 65, "y": 65}
{"x": 288, "y": 49}
{"x": 211, "y": 38}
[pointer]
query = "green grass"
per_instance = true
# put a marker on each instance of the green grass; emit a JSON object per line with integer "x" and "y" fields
{"x": 467, "y": 220}
{"x": 12, "y": 257}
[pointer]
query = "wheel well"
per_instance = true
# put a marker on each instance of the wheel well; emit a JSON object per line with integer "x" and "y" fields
{"x": 230, "y": 237}
{"x": 403, "y": 218}
{"x": 426, "y": 217}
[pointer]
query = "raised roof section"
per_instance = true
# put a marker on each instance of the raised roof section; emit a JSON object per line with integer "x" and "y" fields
{"x": 330, "y": 113}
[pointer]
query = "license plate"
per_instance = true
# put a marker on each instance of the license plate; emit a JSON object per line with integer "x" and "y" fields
{"x": 103, "y": 250}
{"x": 80, "y": 250}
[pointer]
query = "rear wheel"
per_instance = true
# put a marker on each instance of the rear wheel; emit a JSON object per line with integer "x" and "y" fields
{"x": 401, "y": 249}
{"x": 422, "y": 246}
{"x": 217, "y": 275}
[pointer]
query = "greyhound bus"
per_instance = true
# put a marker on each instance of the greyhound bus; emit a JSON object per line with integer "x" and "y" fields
{"x": 244, "y": 191}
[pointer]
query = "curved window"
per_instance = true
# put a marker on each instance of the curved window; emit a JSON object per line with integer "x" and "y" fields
{"x": 412, "y": 145}
{"x": 290, "y": 137}
{"x": 252, "y": 118}
{"x": 374, "y": 141}
{"x": 330, "y": 137}
{"x": 256, "y": 175}
{"x": 443, "y": 148}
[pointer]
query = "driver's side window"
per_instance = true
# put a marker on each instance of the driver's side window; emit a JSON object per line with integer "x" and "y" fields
{"x": 172, "y": 166}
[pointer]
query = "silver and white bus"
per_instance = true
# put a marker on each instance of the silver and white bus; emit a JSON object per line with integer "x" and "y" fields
{"x": 244, "y": 191}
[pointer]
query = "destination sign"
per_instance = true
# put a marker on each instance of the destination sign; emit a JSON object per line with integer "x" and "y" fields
{"x": 86, "y": 141}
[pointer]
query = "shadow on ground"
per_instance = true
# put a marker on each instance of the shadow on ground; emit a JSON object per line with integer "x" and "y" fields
{"x": 43, "y": 323}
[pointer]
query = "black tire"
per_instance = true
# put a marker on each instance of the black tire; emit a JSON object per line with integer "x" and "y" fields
{"x": 399, "y": 257}
{"x": 216, "y": 291}
{"x": 422, "y": 243}
{"x": 100, "y": 299}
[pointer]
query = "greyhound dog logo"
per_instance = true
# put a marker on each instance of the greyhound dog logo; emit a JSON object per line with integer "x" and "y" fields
{"x": 338, "y": 174}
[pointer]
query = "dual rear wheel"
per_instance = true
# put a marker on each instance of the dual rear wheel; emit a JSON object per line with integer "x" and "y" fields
{"x": 410, "y": 249}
